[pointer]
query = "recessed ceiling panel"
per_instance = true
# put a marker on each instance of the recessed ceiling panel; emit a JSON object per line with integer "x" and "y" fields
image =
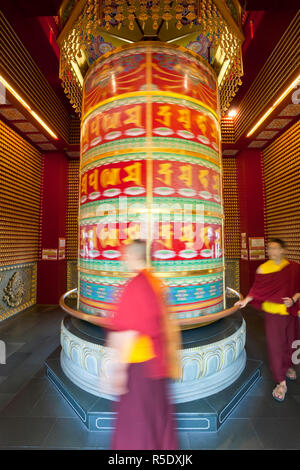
{"x": 12, "y": 114}
{"x": 47, "y": 146}
{"x": 257, "y": 143}
{"x": 291, "y": 110}
{"x": 230, "y": 152}
{"x": 37, "y": 138}
{"x": 267, "y": 134}
{"x": 25, "y": 127}
{"x": 278, "y": 123}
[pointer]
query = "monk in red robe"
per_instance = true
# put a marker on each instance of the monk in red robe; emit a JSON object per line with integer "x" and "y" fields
{"x": 276, "y": 291}
{"x": 146, "y": 345}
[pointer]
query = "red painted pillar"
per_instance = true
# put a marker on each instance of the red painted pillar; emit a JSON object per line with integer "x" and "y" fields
{"x": 51, "y": 282}
{"x": 251, "y": 205}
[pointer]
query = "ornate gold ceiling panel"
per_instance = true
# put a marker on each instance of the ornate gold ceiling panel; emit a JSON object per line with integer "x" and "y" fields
{"x": 92, "y": 28}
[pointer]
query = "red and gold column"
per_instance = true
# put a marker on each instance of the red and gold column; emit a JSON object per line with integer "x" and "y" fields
{"x": 151, "y": 168}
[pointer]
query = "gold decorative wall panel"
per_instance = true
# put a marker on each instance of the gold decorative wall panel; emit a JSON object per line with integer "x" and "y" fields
{"x": 20, "y": 185}
{"x": 74, "y": 130}
{"x": 227, "y": 130}
{"x": 72, "y": 277}
{"x": 282, "y": 189}
{"x": 231, "y": 208}
{"x": 72, "y": 224}
{"x": 21, "y": 70}
{"x": 232, "y": 275}
{"x": 72, "y": 210}
{"x": 17, "y": 288}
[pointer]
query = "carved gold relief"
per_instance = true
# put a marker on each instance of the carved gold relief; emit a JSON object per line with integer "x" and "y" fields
{"x": 14, "y": 291}
{"x": 10, "y": 294}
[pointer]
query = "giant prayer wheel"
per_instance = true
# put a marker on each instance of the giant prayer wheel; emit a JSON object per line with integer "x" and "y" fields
{"x": 151, "y": 169}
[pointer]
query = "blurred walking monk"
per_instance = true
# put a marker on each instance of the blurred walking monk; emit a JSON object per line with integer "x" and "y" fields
{"x": 275, "y": 291}
{"x": 146, "y": 343}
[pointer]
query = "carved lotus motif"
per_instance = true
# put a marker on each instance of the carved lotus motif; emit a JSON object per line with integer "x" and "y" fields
{"x": 14, "y": 291}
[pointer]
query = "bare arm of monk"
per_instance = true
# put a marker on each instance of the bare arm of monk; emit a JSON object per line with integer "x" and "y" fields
{"x": 290, "y": 301}
{"x": 246, "y": 300}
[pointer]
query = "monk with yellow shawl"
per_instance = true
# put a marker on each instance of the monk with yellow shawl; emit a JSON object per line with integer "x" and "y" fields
{"x": 276, "y": 291}
{"x": 146, "y": 342}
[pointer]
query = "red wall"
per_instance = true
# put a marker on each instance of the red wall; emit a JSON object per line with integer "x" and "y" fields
{"x": 52, "y": 274}
{"x": 251, "y": 205}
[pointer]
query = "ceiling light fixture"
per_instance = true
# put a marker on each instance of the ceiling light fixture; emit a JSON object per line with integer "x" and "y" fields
{"x": 232, "y": 113}
{"x": 269, "y": 111}
{"x": 26, "y": 106}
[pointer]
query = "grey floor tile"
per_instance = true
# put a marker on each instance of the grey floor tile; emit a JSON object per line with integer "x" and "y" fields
{"x": 30, "y": 326}
{"x": 13, "y": 362}
{"x": 52, "y": 390}
{"x": 17, "y": 380}
{"x": 278, "y": 433}
{"x": 263, "y": 387}
{"x": 26, "y": 399}
{"x": 40, "y": 448}
{"x": 266, "y": 407}
{"x": 43, "y": 419}
{"x": 24, "y": 431}
{"x": 52, "y": 406}
{"x": 293, "y": 387}
{"x": 265, "y": 370}
{"x": 65, "y": 448}
{"x": 34, "y": 344}
{"x": 235, "y": 434}
{"x": 56, "y": 353}
{"x": 297, "y": 398}
{"x": 38, "y": 384}
{"x": 17, "y": 330}
{"x": 11, "y": 348}
{"x": 290, "y": 408}
{"x": 238, "y": 434}
{"x": 95, "y": 449}
{"x": 196, "y": 406}
{"x": 70, "y": 432}
{"x": 183, "y": 439}
{"x": 41, "y": 373}
{"x": 21, "y": 448}
{"x": 48, "y": 346}
{"x": 5, "y": 398}
{"x": 202, "y": 441}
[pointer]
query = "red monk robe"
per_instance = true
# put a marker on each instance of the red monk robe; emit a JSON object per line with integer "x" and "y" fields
{"x": 145, "y": 414}
{"x": 281, "y": 323}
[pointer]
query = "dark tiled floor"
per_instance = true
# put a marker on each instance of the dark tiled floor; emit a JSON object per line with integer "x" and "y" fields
{"x": 33, "y": 415}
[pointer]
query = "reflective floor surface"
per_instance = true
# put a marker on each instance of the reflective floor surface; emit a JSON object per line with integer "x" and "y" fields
{"x": 33, "y": 415}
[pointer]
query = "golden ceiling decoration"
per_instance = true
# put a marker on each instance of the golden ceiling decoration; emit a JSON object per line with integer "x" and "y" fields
{"x": 89, "y": 28}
